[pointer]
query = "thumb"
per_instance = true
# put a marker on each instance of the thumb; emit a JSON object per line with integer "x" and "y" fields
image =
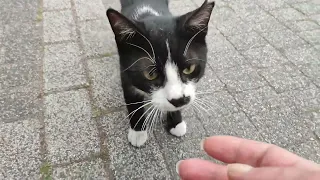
{"x": 246, "y": 172}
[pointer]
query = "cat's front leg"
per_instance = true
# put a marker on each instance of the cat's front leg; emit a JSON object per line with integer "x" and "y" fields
{"x": 176, "y": 125}
{"x": 137, "y": 135}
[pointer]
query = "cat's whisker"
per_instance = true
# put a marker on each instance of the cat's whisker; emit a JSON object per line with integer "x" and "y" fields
{"x": 154, "y": 120}
{"x": 205, "y": 105}
{"x": 151, "y": 59}
{"x": 200, "y": 106}
{"x": 136, "y": 110}
{"x": 136, "y": 62}
{"x": 136, "y": 103}
{"x": 154, "y": 55}
{"x": 191, "y": 39}
{"x": 146, "y": 121}
{"x": 195, "y": 59}
{"x": 141, "y": 117}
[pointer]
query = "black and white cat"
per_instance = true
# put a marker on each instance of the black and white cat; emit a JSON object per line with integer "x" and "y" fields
{"x": 162, "y": 57}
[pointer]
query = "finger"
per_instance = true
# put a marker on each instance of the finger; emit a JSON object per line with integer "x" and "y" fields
{"x": 195, "y": 169}
{"x": 236, "y": 172}
{"x": 236, "y": 150}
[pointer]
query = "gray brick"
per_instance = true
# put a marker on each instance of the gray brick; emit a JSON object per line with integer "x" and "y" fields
{"x": 93, "y": 169}
{"x": 247, "y": 41}
{"x": 316, "y": 18}
{"x": 311, "y": 70}
{"x": 178, "y": 7}
{"x": 105, "y": 76}
{"x": 312, "y": 37}
{"x": 254, "y": 15}
{"x": 63, "y": 67}
{"x": 209, "y": 82}
{"x": 240, "y": 78}
{"x": 219, "y": 43}
{"x": 298, "y": 26}
{"x": 56, "y": 4}
{"x": 283, "y": 39}
{"x": 272, "y": 4}
{"x": 185, "y": 150}
{"x": 215, "y": 105}
{"x": 282, "y": 128}
{"x": 58, "y": 26}
{"x": 98, "y": 38}
{"x": 308, "y": 8}
{"x": 15, "y": 75}
{"x": 88, "y": 10}
{"x": 226, "y": 59}
{"x": 285, "y": 77}
{"x": 70, "y": 132}
{"x": 302, "y": 55}
{"x": 317, "y": 47}
{"x": 195, "y": 130}
{"x": 233, "y": 27}
{"x": 20, "y": 103}
{"x": 288, "y": 14}
{"x": 19, "y": 155}
{"x": 110, "y": 3}
{"x": 222, "y": 15}
{"x": 308, "y": 150}
{"x": 125, "y": 158}
{"x": 264, "y": 57}
{"x": 269, "y": 24}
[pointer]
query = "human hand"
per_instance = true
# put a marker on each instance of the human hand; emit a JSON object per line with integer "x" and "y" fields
{"x": 247, "y": 160}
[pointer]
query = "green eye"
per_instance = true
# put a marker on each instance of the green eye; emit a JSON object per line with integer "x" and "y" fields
{"x": 190, "y": 69}
{"x": 150, "y": 75}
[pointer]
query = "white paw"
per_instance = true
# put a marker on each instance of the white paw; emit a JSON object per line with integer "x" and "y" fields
{"x": 137, "y": 138}
{"x": 179, "y": 130}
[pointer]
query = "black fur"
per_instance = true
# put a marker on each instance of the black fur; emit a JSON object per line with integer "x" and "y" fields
{"x": 157, "y": 29}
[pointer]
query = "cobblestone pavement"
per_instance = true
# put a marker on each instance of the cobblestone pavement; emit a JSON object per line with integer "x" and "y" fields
{"x": 61, "y": 106}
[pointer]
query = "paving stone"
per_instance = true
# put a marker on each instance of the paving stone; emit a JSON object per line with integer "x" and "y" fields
{"x": 19, "y": 11}
{"x": 178, "y": 7}
{"x": 317, "y": 47}
{"x": 56, "y": 4}
{"x": 15, "y": 75}
{"x": 113, "y": 4}
{"x": 195, "y": 130}
{"x": 98, "y": 38}
{"x": 58, "y": 26}
{"x": 308, "y": 150}
{"x": 247, "y": 41}
{"x": 106, "y": 83}
{"x": 285, "y": 77}
{"x": 19, "y": 154}
{"x": 213, "y": 105}
{"x": 288, "y": 14}
{"x": 298, "y": 26}
{"x": 311, "y": 70}
{"x": 240, "y": 78}
{"x": 283, "y": 39}
{"x": 125, "y": 158}
{"x": 316, "y": 18}
{"x": 273, "y": 4}
{"x": 20, "y": 103}
{"x": 282, "y": 128}
{"x": 254, "y": 15}
{"x": 218, "y": 43}
{"x": 234, "y": 27}
{"x": 209, "y": 82}
{"x": 63, "y": 67}
{"x": 226, "y": 59}
{"x": 93, "y": 169}
{"x": 70, "y": 132}
{"x": 266, "y": 56}
{"x": 268, "y": 24}
{"x": 308, "y": 8}
{"x": 222, "y": 15}
{"x": 88, "y": 10}
{"x": 311, "y": 36}
{"x": 302, "y": 55}
{"x": 185, "y": 150}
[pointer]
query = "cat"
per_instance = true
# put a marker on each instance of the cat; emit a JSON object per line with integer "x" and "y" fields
{"x": 162, "y": 58}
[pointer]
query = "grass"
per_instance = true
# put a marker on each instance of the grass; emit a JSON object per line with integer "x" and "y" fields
{"x": 46, "y": 170}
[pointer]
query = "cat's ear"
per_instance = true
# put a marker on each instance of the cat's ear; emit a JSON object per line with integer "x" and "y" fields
{"x": 122, "y": 27}
{"x": 199, "y": 18}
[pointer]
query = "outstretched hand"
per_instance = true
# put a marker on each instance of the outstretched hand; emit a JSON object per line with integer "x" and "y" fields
{"x": 247, "y": 160}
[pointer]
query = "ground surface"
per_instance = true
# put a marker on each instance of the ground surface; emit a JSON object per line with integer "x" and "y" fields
{"x": 61, "y": 108}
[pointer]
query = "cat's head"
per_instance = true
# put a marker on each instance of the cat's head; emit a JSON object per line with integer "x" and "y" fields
{"x": 163, "y": 57}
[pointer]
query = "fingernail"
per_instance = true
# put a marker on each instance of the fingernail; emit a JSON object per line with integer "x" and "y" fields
{"x": 202, "y": 144}
{"x": 177, "y": 166}
{"x": 238, "y": 169}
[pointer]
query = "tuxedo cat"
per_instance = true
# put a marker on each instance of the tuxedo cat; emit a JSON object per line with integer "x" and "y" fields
{"x": 162, "y": 57}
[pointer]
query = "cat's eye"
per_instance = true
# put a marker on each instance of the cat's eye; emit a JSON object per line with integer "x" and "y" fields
{"x": 150, "y": 75}
{"x": 190, "y": 69}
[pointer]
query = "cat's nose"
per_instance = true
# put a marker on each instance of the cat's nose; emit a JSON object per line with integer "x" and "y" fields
{"x": 181, "y": 101}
